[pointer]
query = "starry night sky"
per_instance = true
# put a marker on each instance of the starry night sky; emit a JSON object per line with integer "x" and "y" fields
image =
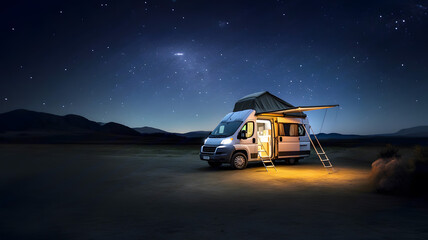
{"x": 181, "y": 65}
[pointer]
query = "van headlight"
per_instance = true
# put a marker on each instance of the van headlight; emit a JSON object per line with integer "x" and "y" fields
{"x": 227, "y": 141}
{"x": 205, "y": 141}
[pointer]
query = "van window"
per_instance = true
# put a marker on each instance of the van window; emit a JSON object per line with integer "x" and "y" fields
{"x": 291, "y": 129}
{"x": 249, "y": 127}
{"x": 281, "y": 130}
{"x": 225, "y": 129}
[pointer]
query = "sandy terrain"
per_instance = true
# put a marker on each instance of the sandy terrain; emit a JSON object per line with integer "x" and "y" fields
{"x": 166, "y": 192}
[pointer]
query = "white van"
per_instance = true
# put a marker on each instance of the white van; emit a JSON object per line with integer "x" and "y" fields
{"x": 269, "y": 127}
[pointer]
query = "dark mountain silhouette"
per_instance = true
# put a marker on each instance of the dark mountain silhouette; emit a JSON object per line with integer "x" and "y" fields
{"x": 420, "y": 131}
{"x": 116, "y": 128}
{"x": 149, "y": 130}
{"x": 195, "y": 134}
{"x": 31, "y": 121}
{"x": 24, "y": 126}
{"x": 338, "y": 136}
{"x": 409, "y": 137}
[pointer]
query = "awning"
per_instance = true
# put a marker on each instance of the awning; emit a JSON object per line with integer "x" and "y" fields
{"x": 302, "y": 109}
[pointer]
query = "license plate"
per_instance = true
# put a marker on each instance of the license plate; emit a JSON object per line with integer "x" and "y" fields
{"x": 206, "y": 157}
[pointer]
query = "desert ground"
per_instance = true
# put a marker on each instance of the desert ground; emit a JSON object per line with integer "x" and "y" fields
{"x": 166, "y": 192}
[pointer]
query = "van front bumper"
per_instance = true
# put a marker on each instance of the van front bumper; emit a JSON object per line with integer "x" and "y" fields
{"x": 222, "y": 154}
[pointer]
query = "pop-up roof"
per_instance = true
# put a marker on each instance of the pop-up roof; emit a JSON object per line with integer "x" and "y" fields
{"x": 265, "y": 102}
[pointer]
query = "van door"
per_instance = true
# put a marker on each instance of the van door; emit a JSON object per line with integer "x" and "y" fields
{"x": 264, "y": 137}
{"x": 288, "y": 140}
{"x": 251, "y": 141}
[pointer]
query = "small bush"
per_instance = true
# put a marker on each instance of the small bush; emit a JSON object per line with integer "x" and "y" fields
{"x": 421, "y": 154}
{"x": 393, "y": 174}
{"x": 389, "y": 152}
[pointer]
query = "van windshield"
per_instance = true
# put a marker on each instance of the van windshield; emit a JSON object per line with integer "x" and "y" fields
{"x": 225, "y": 129}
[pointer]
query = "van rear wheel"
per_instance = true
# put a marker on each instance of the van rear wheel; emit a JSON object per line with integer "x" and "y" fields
{"x": 238, "y": 161}
{"x": 214, "y": 164}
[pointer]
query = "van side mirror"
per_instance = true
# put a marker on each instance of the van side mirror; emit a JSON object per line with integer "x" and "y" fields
{"x": 243, "y": 134}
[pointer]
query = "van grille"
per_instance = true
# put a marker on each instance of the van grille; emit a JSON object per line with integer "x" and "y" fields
{"x": 208, "y": 149}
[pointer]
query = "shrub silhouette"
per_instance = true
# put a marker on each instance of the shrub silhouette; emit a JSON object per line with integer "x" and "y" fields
{"x": 389, "y": 152}
{"x": 393, "y": 174}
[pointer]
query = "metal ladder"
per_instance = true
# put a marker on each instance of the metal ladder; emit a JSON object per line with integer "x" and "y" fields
{"x": 321, "y": 154}
{"x": 265, "y": 160}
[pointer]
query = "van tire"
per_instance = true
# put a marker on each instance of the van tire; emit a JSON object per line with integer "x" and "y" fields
{"x": 214, "y": 164}
{"x": 238, "y": 161}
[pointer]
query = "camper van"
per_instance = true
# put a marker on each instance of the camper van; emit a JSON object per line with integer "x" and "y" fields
{"x": 261, "y": 126}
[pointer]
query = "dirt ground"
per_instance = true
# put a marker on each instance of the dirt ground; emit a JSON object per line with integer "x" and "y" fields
{"x": 166, "y": 192}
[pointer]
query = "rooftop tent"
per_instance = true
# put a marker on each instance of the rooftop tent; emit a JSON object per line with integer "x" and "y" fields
{"x": 265, "y": 102}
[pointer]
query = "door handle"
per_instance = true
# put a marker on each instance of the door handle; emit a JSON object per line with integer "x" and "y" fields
{"x": 254, "y": 140}
{"x": 280, "y": 139}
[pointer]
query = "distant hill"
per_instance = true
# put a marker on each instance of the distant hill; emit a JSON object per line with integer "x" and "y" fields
{"x": 30, "y": 121}
{"x": 116, "y": 128}
{"x": 337, "y": 136}
{"x": 420, "y": 131}
{"x": 416, "y": 132}
{"x": 149, "y": 130}
{"x": 408, "y": 136}
{"x": 25, "y": 126}
{"x": 195, "y": 134}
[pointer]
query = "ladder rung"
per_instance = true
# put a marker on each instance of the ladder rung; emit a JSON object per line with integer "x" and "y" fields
{"x": 324, "y": 160}
{"x": 261, "y": 149}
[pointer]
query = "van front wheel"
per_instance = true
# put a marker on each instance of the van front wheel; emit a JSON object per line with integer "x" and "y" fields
{"x": 238, "y": 161}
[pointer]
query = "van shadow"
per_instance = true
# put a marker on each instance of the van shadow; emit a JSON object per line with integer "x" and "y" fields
{"x": 253, "y": 165}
